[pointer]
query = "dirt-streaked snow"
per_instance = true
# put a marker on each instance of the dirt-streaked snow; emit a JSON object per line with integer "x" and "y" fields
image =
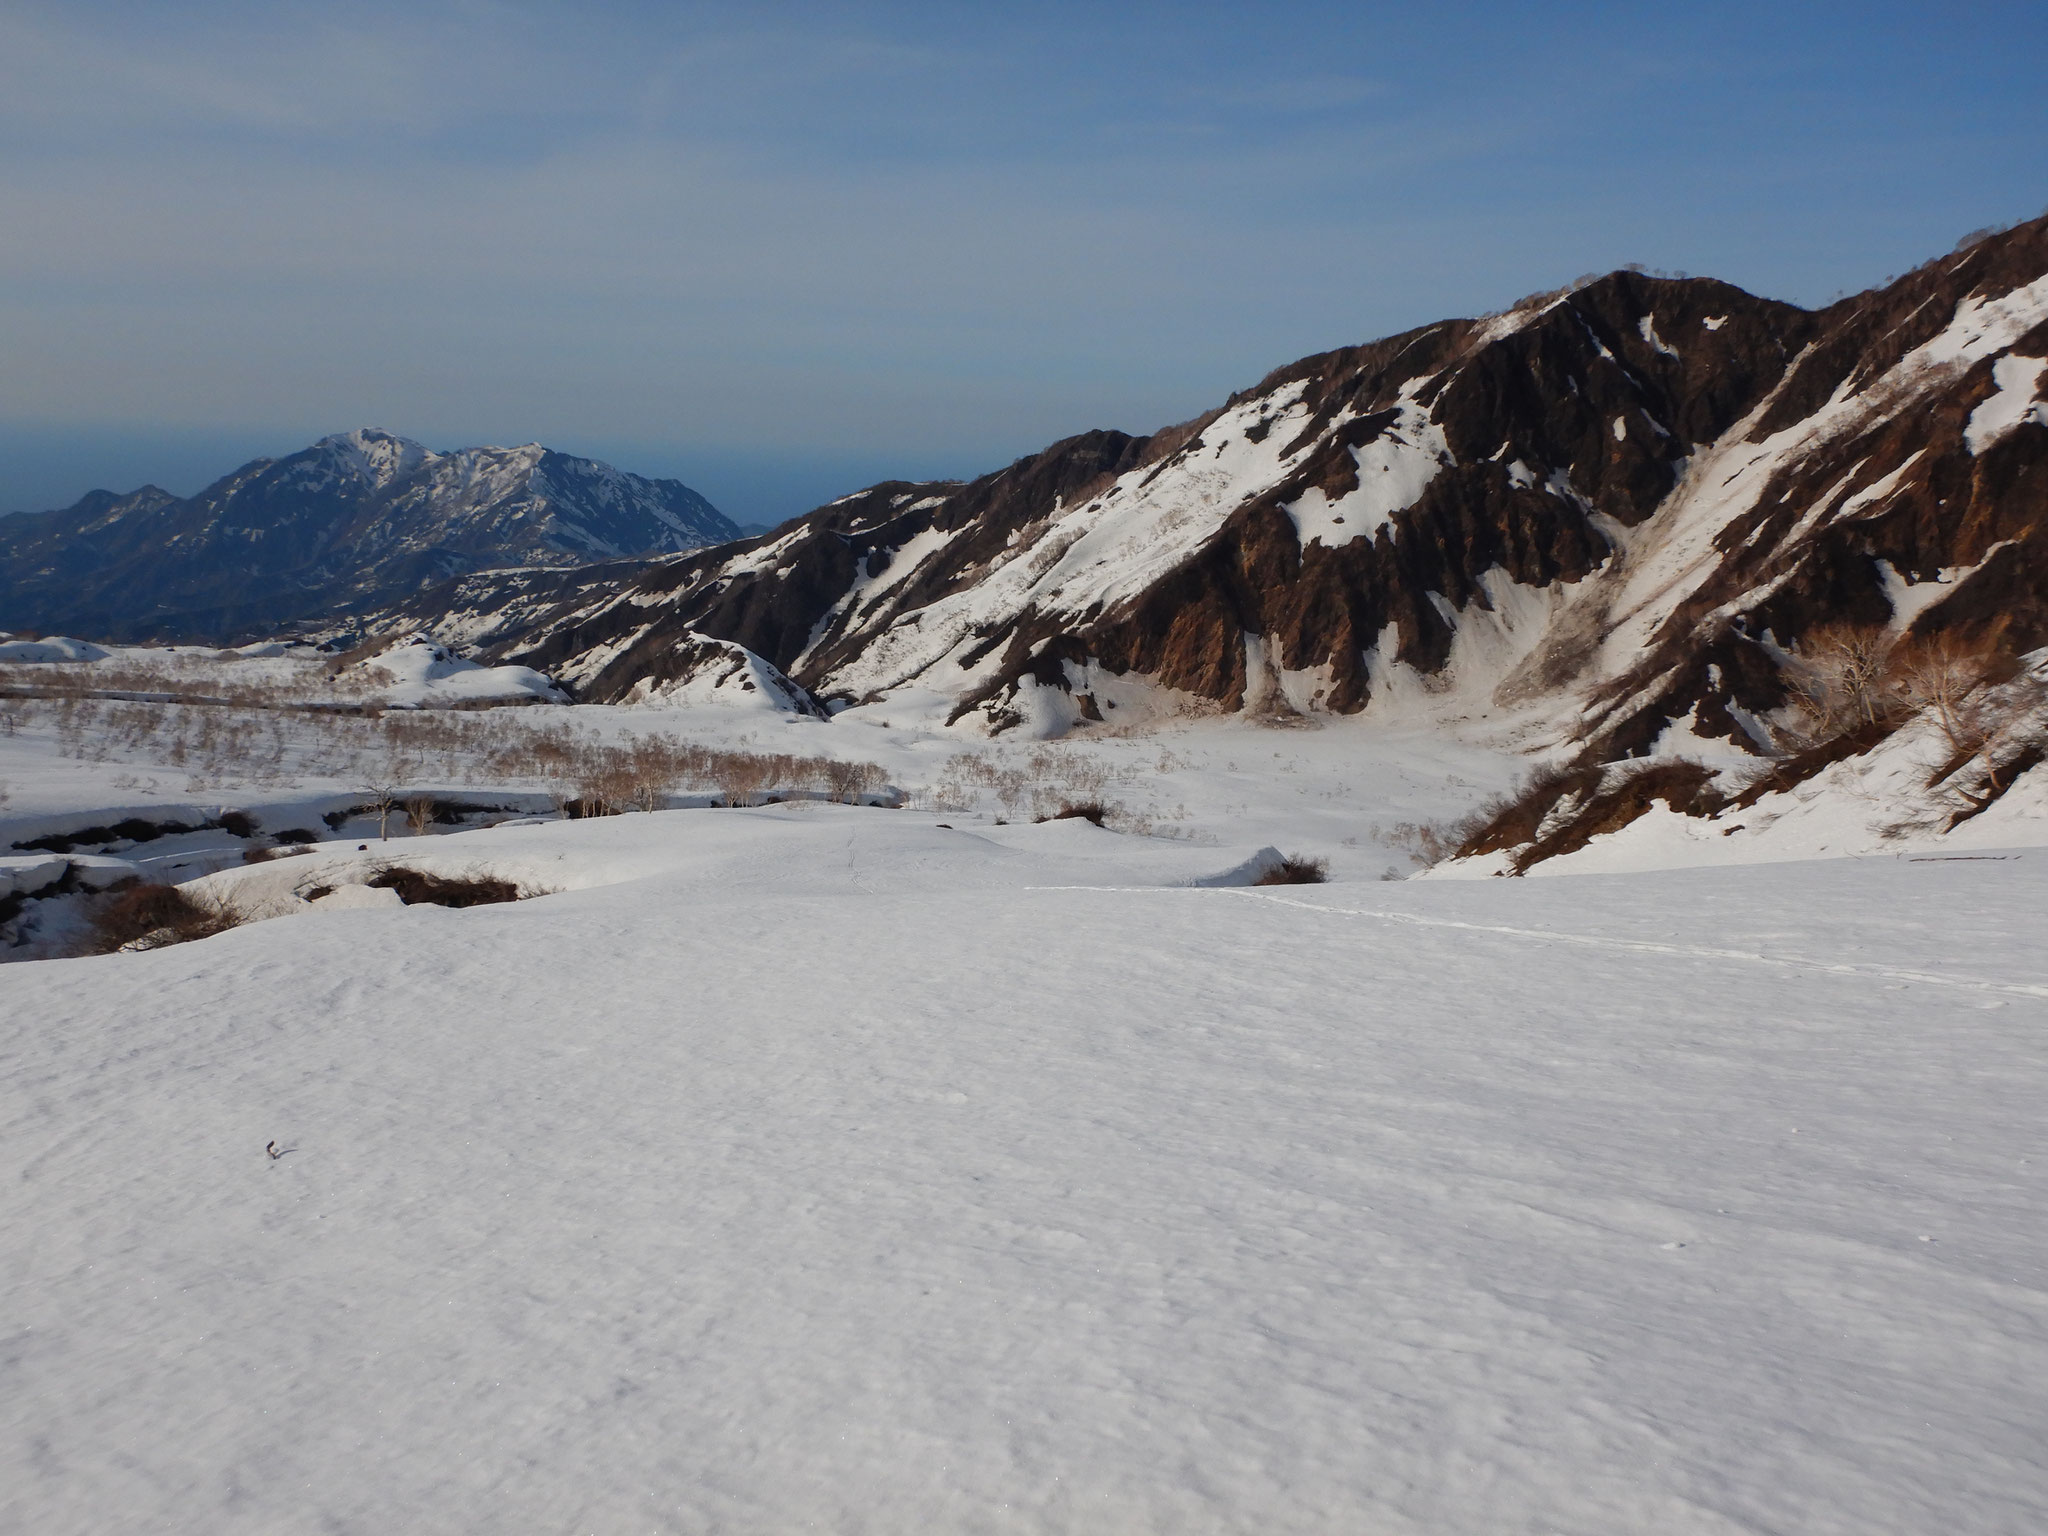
{"x": 831, "y": 1169}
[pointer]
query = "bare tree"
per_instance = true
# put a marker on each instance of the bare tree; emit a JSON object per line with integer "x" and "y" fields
{"x": 419, "y": 814}
{"x": 845, "y": 780}
{"x": 1838, "y": 677}
{"x": 654, "y": 765}
{"x": 740, "y": 776}
{"x": 382, "y": 799}
{"x": 607, "y": 787}
{"x": 650, "y": 786}
{"x": 1944, "y": 675}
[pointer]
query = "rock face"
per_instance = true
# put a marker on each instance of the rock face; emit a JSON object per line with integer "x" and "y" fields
{"x": 1616, "y": 504}
{"x": 359, "y": 519}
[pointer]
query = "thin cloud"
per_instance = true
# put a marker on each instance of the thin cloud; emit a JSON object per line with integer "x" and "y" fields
{"x": 919, "y": 225}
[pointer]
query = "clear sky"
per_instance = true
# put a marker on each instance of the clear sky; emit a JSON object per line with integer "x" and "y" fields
{"x": 782, "y": 250}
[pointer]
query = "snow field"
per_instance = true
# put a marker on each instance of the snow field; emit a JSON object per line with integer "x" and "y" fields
{"x": 829, "y": 1169}
{"x": 1336, "y": 792}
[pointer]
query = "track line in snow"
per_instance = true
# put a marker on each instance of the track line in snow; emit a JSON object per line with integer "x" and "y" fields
{"x": 1590, "y": 940}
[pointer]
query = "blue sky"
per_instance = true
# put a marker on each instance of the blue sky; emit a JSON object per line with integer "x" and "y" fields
{"x": 781, "y": 250}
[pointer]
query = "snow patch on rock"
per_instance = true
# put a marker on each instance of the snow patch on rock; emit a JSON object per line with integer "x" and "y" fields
{"x": 2016, "y": 402}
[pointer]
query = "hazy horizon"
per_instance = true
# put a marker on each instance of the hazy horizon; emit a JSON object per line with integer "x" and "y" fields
{"x": 783, "y": 253}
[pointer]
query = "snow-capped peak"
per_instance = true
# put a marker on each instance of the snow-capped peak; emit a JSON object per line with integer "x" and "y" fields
{"x": 373, "y": 455}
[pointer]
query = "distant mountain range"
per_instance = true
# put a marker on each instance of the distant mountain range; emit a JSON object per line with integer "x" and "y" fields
{"x": 358, "y": 521}
{"x": 1618, "y": 520}
{"x": 1626, "y": 498}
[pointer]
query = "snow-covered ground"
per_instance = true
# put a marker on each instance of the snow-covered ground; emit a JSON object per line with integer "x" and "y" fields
{"x": 821, "y": 1167}
{"x": 410, "y": 672}
{"x": 1340, "y": 791}
{"x": 268, "y": 731}
{"x": 934, "y": 1168}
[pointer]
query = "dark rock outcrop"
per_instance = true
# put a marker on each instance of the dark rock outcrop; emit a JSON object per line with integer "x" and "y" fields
{"x": 1616, "y": 504}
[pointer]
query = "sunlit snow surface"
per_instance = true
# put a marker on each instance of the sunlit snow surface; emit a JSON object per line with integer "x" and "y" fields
{"x": 420, "y": 672}
{"x": 830, "y": 1169}
{"x": 2019, "y": 383}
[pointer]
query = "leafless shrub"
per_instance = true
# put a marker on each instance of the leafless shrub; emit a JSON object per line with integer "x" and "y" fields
{"x": 607, "y": 781}
{"x": 1545, "y": 297}
{"x": 740, "y": 776}
{"x": 221, "y": 734}
{"x": 1837, "y": 677}
{"x": 1086, "y": 810}
{"x": 362, "y": 650}
{"x": 846, "y": 781}
{"x": 2003, "y": 734}
{"x": 1427, "y": 842}
{"x": 416, "y": 887}
{"x": 419, "y": 814}
{"x": 1944, "y": 676}
{"x": 1979, "y": 236}
{"x": 652, "y": 768}
{"x": 153, "y": 916}
{"x": 1296, "y": 869}
{"x": 1500, "y": 821}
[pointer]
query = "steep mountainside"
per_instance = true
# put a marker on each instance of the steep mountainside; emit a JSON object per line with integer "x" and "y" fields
{"x": 1612, "y": 508}
{"x": 361, "y": 518}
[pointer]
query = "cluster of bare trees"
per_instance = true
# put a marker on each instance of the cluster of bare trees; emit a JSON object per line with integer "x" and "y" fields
{"x": 590, "y": 778}
{"x": 392, "y": 753}
{"x": 1035, "y": 787}
{"x": 1845, "y": 680}
{"x": 1845, "y": 677}
{"x": 383, "y": 799}
{"x": 208, "y": 742}
{"x": 223, "y": 677}
{"x": 1991, "y": 716}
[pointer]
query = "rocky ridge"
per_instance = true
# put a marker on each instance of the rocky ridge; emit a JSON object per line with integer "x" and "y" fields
{"x": 1611, "y": 510}
{"x": 358, "y": 520}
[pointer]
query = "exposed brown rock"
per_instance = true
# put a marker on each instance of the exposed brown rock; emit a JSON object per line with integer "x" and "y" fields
{"x": 1570, "y": 431}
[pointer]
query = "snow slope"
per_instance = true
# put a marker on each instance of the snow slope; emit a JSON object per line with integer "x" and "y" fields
{"x": 1617, "y": 522}
{"x": 418, "y": 673}
{"x": 53, "y": 648}
{"x": 411, "y": 672}
{"x": 830, "y": 1169}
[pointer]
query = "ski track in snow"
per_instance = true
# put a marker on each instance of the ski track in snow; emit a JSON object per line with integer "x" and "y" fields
{"x": 1592, "y": 941}
{"x": 804, "y": 1168}
{"x": 877, "y": 1171}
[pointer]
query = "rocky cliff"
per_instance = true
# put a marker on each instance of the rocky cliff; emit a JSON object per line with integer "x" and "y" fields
{"x": 1614, "y": 507}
